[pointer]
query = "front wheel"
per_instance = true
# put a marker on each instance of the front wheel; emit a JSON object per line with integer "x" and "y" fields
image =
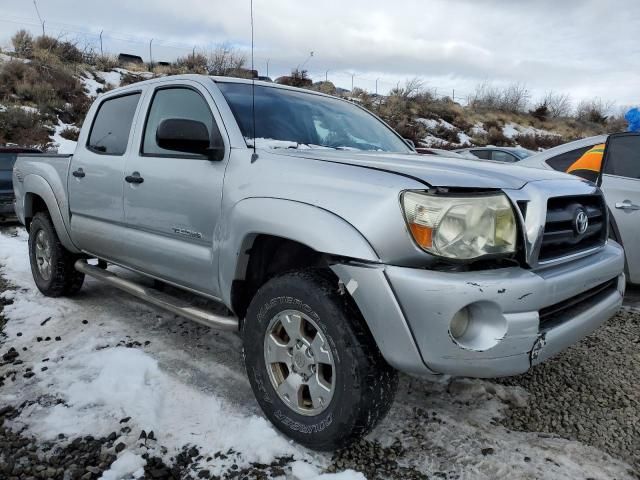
{"x": 313, "y": 365}
{"x": 51, "y": 264}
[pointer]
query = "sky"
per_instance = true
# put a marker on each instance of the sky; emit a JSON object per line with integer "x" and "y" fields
{"x": 586, "y": 48}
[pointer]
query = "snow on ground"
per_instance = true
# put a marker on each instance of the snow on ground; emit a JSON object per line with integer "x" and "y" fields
{"x": 512, "y": 130}
{"x": 63, "y": 145}
{"x": 434, "y": 124}
{"x": 114, "y": 77}
{"x": 91, "y": 85}
{"x": 187, "y": 384}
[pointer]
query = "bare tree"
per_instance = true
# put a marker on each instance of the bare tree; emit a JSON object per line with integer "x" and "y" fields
{"x": 594, "y": 110}
{"x": 558, "y": 104}
{"x": 513, "y": 98}
{"x": 225, "y": 59}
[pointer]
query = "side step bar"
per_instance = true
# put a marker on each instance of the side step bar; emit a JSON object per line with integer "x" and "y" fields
{"x": 159, "y": 299}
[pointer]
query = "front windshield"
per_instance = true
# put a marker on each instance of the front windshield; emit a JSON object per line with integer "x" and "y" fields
{"x": 521, "y": 154}
{"x": 293, "y": 119}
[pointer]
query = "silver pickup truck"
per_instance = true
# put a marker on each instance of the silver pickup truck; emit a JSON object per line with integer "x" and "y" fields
{"x": 341, "y": 255}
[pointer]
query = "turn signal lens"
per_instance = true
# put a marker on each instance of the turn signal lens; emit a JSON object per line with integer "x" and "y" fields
{"x": 422, "y": 235}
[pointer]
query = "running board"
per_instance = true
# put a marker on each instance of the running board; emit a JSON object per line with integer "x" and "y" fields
{"x": 159, "y": 299}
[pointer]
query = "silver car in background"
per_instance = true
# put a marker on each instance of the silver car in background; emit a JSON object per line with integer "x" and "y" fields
{"x": 619, "y": 179}
{"x": 497, "y": 154}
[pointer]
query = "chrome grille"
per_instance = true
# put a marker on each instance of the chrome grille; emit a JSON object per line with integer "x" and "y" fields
{"x": 562, "y": 237}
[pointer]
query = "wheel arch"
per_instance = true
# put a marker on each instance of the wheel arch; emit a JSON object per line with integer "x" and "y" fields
{"x": 38, "y": 197}
{"x": 288, "y": 235}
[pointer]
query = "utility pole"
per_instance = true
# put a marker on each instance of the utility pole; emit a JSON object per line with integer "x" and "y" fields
{"x": 453, "y": 96}
{"x": 352, "y": 75}
{"x": 326, "y": 76}
{"x": 101, "y": 51}
{"x": 39, "y": 17}
{"x": 377, "y": 86}
{"x": 150, "y": 54}
{"x": 268, "y": 66}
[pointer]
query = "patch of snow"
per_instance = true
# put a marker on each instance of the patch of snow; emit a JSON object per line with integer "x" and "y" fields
{"x": 128, "y": 465}
{"x": 8, "y": 58}
{"x": 91, "y": 85}
{"x": 512, "y": 130}
{"x": 304, "y": 471}
{"x": 63, "y": 145}
{"x": 29, "y": 109}
{"x": 189, "y": 386}
{"x": 433, "y": 124}
{"x": 464, "y": 138}
{"x": 113, "y": 77}
{"x": 478, "y": 129}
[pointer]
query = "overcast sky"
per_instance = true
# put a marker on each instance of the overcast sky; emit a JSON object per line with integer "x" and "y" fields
{"x": 587, "y": 48}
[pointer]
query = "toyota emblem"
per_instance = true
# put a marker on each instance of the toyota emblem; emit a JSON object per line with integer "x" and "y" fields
{"x": 581, "y": 222}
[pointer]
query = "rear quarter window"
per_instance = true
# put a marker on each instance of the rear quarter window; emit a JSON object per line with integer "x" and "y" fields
{"x": 563, "y": 161}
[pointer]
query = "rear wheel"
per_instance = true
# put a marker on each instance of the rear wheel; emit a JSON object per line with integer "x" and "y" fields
{"x": 313, "y": 365}
{"x": 51, "y": 264}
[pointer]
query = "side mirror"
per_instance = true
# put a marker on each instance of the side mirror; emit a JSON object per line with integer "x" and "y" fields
{"x": 409, "y": 142}
{"x": 189, "y": 136}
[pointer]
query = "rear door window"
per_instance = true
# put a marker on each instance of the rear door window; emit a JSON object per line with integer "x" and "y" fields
{"x": 500, "y": 156}
{"x": 112, "y": 125}
{"x": 484, "y": 154}
{"x": 623, "y": 156}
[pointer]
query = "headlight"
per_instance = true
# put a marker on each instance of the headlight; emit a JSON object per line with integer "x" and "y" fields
{"x": 461, "y": 227}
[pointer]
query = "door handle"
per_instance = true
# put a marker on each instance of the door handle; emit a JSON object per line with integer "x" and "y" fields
{"x": 79, "y": 173}
{"x": 134, "y": 178}
{"x": 627, "y": 205}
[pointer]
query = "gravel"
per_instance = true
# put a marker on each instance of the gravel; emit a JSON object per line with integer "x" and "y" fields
{"x": 590, "y": 392}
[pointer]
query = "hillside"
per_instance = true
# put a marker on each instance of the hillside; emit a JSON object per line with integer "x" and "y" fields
{"x": 47, "y": 85}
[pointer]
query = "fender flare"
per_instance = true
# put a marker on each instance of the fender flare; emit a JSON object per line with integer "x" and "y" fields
{"x": 307, "y": 224}
{"x": 37, "y": 185}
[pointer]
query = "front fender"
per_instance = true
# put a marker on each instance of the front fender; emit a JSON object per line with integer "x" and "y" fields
{"x": 307, "y": 224}
{"x": 37, "y": 185}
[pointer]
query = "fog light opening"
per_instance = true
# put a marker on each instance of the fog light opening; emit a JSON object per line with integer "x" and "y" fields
{"x": 459, "y": 324}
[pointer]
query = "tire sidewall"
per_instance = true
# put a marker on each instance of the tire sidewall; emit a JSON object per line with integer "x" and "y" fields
{"x": 314, "y": 431}
{"x": 36, "y": 226}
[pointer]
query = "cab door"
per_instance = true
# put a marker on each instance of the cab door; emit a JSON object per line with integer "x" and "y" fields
{"x": 620, "y": 182}
{"x": 95, "y": 180}
{"x": 172, "y": 198}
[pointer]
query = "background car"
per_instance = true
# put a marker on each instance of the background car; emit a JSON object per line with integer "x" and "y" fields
{"x": 498, "y": 154}
{"x": 7, "y": 159}
{"x": 444, "y": 153}
{"x": 619, "y": 177}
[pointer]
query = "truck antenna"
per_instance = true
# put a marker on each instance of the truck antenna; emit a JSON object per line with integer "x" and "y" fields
{"x": 254, "y": 156}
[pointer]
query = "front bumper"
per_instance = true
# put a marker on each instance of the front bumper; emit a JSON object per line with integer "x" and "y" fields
{"x": 410, "y": 316}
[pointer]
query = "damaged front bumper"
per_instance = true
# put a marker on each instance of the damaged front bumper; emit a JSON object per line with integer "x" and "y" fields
{"x": 516, "y": 317}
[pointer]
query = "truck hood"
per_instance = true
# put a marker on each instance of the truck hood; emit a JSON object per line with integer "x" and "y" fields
{"x": 437, "y": 171}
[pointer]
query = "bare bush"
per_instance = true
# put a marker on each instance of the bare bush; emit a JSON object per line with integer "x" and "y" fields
{"x": 193, "y": 63}
{"x": 224, "y": 59}
{"x": 23, "y": 128}
{"x": 105, "y": 63}
{"x": 594, "y": 110}
{"x": 558, "y": 104}
{"x": 513, "y": 98}
{"x": 497, "y": 137}
{"x": 536, "y": 142}
{"x": 23, "y": 44}
{"x": 70, "y": 133}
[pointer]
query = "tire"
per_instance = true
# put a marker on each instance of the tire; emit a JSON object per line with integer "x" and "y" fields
{"x": 363, "y": 385}
{"x": 60, "y": 278}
